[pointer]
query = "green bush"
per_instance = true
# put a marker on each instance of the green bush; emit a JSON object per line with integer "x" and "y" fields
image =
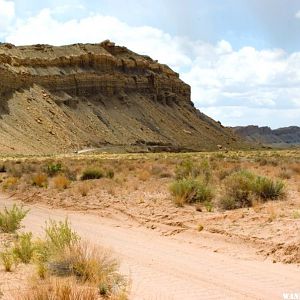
{"x": 243, "y": 186}
{"x": 10, "y": 219}
{"x": 54, "y": 168}
{"x": 187, "y": 169}
{"x": 190, "y": 191}
{"x": 7, "y": 259}
{"x": 24, "y": 248}
{"x": 238, "y": 191}
{"x": 268, "y": 189}
{"x": 92, "y": 174}
{"x": 60, "y": 234}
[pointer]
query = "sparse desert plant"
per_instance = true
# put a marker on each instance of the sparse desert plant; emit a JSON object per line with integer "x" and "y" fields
{"x": 59, "y": 289}
{"x": 53, "y": 169}
{"x": 285, "y": 174}
{"x": 60, "y": 234}
{"x": 83, "y": 188}
{"x": 208, "y": 206}
{"x": 296, "y": 214}
{"x": 39, "y": 180}
{"x": 61, "y": 182}
{"x": 187, "y": 169}
{"x": 89, "y": 264}
{"x": 110, "y": 174}
{"x": 70, "y": 174}
{"x": 238, "y": 190}
{"x": 268, "y": 189}
{"x": 10, "y": 219}
{"x": 10, "y": 183}
{"x": 243, "y": 186}
{"x": 190, "y": 191}
{"x": 92, "y": 174}
{"x": 7, "y": 259}
{"x": 24, "y": 248}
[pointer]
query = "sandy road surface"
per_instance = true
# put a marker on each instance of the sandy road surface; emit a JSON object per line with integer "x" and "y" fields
{"x": 163, "y": 267}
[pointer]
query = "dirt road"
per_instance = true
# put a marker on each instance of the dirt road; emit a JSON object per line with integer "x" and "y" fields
{"x": 177, "y": 267}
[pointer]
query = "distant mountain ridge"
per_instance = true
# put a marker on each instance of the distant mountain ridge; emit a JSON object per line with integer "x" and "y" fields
{"x": 281, "y": 137}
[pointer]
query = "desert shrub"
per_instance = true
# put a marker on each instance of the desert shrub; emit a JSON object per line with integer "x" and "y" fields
{"x": 10, "y": 219}
{"x": 70, "y": 174}
{"x": 63, "y": 254}
{"x": 14, "y": 170}
{"x": 261, "y": 161}
{"x": 53, "y": 169}
{"x": 187, "y": 169}
{"x": 190, "y": 191}
{"x": 190, "y": 169}
{"x": 61, "y": 182}
{"x": 89, "y": 264}
{"x": 92, "y": 174}
{"x": 39, "y": 180}
{"x": 2, "y": 168}
{"x": 7, "y": 259}
{"x": 24, "y": 248}
{"x": 241, "y": 188}
{"x": 208, "y": 206}
{"x": 60, "y": 234}
{"x": 10, "y": 183}
{"x": 268, "y": 189}
{"x": 238, "y": 191}
{"x": 110, "y": 174}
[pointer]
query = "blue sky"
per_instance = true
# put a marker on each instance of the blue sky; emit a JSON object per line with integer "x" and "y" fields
{"x": 241, "y": 57}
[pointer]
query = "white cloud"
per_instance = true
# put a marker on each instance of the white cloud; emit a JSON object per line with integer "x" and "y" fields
{"x": 44, "y": 28}
{"x": 7, "y": 14}
{"x": 230, "y": 85}
{"x": 297, "y": 15}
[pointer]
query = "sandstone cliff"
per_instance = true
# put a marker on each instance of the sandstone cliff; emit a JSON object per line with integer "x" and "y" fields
{"x": 61, "y": 99}
{"x": 281, "y": 137}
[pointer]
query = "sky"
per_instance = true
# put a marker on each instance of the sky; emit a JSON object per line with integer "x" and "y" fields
{"x": 241, "y": 57}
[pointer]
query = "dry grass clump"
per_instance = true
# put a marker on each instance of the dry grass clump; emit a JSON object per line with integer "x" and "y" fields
{"x": 191, "y": 191}
{"x": 61, "y": 182}
{"x": 59, "y": 289}
{"x": 39, "y": 180}
{"x": 63, "y": 254}
{"x": 10, "y": 184}
{"x": 83, "y": 188}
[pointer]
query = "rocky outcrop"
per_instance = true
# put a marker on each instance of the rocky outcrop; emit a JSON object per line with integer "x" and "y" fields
{"x": 282, "y": 137}
{"x": 58, "y": 99}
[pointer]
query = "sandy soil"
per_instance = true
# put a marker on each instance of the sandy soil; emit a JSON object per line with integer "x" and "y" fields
{"x": 189, "y": 265}
{"x": 273, "y": 228}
